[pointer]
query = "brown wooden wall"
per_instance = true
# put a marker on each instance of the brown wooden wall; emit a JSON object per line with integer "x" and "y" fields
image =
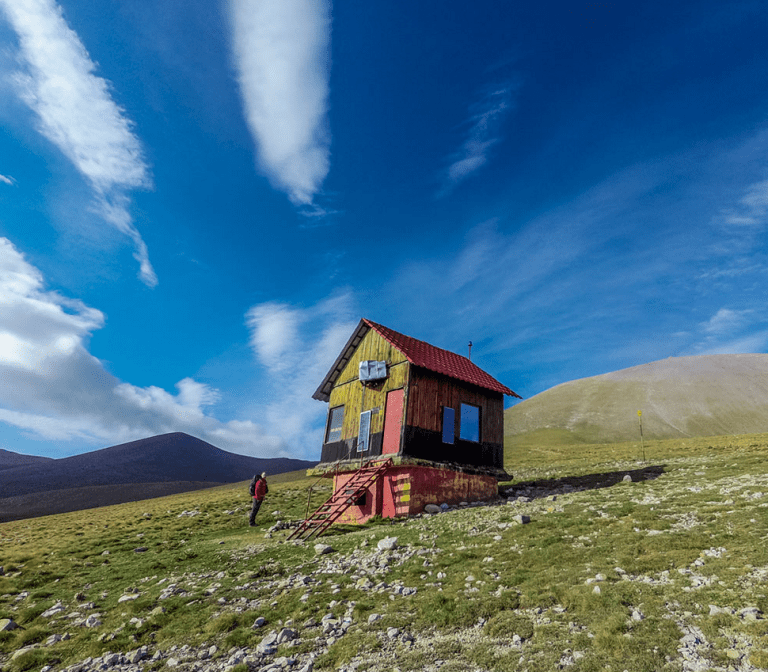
{"x": 428, "y": 393}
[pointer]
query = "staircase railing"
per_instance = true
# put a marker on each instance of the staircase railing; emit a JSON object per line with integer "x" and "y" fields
{"x": 344, "y": 497}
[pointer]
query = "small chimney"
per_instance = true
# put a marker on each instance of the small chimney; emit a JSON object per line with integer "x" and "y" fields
{"x": 470, "y": 351}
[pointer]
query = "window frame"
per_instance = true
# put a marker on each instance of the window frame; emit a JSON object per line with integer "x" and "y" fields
{"x": 363, "y": 445}
{"x": 330, "y": 428}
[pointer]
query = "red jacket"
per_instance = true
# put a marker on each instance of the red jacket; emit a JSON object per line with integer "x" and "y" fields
{"x": 261, "y": 489}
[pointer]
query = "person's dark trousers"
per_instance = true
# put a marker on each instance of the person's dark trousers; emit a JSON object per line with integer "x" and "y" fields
{"x": 254, "y": 510}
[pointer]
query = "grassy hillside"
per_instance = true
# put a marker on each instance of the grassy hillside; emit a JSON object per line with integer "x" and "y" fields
{"x": 606, "y": 575}
{"x": 682, "y": 396}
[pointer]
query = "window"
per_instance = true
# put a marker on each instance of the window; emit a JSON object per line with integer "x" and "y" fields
{"x": 365, "y": 432}
{"x": 335, "y": 421}
{"x": 449, "y": 424}
{"x": 469, "y": 429}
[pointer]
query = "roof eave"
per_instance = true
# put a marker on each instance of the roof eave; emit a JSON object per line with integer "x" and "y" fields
{"x": 323, "y": 392}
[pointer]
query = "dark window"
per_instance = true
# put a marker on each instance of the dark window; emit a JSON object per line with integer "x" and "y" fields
{"x": 335, "y": 421}
{"x": 469, "y": 430}
{"x": 365, "y": 432}
{"x": 449, "y": 424}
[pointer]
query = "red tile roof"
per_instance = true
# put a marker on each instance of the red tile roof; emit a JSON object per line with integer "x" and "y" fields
{"x": 445, "y": 362}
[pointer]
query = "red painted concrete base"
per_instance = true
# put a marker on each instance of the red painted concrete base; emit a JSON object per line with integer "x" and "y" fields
{"x": 406, "y": 489}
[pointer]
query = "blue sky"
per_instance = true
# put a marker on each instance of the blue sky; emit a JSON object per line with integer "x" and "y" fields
{"x": 199, "y": 200}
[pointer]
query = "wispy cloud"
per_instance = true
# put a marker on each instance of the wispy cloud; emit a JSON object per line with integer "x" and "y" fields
{"x": 76, "y": 112}
{"x": 7, "y": 180}
{"x": 751, "y": 210}
{"x": 54, "y": 389}
{"x": 297, "y": 346}
{"x": 726, "y": 321}
{"x": 282, "y": 55}
{"x": 484, "y": 122}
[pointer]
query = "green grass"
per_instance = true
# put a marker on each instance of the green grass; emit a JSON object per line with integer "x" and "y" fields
{"x": 481, "y": 578}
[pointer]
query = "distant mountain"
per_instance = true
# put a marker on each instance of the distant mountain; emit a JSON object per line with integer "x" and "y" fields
{"x": 173, "y": 459}
{"x": 9, "y": 459}
{"x": 706, "y": 395}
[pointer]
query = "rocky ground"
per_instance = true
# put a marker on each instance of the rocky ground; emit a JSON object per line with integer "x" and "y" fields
{"x": 742, "y": 631}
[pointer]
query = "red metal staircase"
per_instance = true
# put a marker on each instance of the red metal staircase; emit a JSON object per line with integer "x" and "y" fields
{"x": 341, "y": 500}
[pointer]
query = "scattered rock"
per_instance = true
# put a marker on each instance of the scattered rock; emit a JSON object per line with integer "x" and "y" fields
{"x": 387, "y": 544}
{"x": 129, "y": 597}
{"x": 322, "y": 549}
{"x": 55, "y": 609}
{"x": 432, "y": 508}
{"x": 140, "y": 549}
{"x": 7, "y": 624}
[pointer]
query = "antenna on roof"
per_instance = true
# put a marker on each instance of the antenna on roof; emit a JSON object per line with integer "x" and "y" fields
{"x": 470, "y": 351}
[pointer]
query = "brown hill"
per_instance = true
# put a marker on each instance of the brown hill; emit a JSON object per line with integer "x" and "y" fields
{"x": 705, "y": 395}
{"x": 158, "y": 465}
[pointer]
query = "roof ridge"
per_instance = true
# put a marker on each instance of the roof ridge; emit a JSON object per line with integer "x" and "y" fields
{"x": 448, "y": 363}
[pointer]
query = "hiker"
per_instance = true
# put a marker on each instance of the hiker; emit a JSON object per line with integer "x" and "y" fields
{"x": 258, "y": 489}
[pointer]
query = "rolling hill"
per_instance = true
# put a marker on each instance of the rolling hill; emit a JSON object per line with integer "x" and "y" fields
{"x": 159, "y": 465}
{"x": 705, "y": 395}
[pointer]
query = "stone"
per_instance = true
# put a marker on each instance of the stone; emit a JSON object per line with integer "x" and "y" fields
{"x": 522, "y": 519}
{"x": 55, "y": 609}
{"x": 111, "y": 659}
{"x": 322, "y": 549}
{"x": 260, "y": 622}
{"x": 330, "y": 624}
{"x": 268, "y": 645}
{"x": 627, "y": 478}
{"x": 373, "y": 618}
{"x": 387, "y": 544}
{"x": 93, "y": 621}
{"x": 52, "y": 640}
{"x": 286, "y": 635}
{"x": 141, "y": 549}
{"x": 20, "y": 652}
{"x": 432, "y": 508}
{"x": 137, "y": 655}
{"x": 596, "y": 590}
{"x": 7, "y": 624}
{"x": 392, "y": 633}
{"x": 128, "y": 598}
{"x": 750, "y": 613}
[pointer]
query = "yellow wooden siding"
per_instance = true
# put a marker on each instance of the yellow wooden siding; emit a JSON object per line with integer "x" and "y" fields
{"x": 372, "y": 347}
{"x": 348, "y": 391}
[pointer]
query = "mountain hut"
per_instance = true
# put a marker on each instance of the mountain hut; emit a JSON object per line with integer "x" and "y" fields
{"x": 409, "y": 424}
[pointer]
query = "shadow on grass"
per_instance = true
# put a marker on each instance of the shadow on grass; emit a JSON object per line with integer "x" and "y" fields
{"x": 543, "y": 488}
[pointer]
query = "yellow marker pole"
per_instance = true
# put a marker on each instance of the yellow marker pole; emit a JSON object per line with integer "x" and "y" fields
{"x": 642, "y": 442}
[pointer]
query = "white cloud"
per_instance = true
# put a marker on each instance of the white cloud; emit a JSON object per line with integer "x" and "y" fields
{"x": 76, "y": 112}
{"x": 297, "y": 346}
{"x": 751, "y": 210}
{"x": 485, "y": 120}
{"x": 273, "y": 329}
{"x": 725, "y": 321}
{"x": 282, "y": 55}
{"x": 7, "y": 180}
{"x": 53, "y": 388}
